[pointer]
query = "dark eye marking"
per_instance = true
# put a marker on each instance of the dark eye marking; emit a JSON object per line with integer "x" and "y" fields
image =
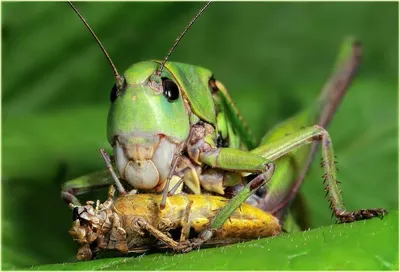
{"x": 114, "y": 93}
{"x": 170, "y": 89}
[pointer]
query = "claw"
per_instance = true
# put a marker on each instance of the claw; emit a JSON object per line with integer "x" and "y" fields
{"x": 346, "y": 217}
{"x": 184, "y": 246}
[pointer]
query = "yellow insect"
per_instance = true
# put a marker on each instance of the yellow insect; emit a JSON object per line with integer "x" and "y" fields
{"x": 135, "y": 223}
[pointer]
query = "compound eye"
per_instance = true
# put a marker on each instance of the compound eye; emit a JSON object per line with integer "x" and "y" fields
{"x": 113, "y": 94}
{"x": 170, "y": 90}
{"x": 75, "y": 214}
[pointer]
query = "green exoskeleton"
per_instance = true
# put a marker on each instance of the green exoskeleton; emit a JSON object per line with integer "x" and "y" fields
{"x": 170, "y": 121}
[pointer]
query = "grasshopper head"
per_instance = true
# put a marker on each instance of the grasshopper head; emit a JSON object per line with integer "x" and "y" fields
{"x": 146, "y": 125}
{"x": 89, "y": 225}
{"x": 148, "y": 118}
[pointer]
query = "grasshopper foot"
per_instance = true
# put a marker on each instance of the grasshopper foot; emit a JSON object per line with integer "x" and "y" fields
{"x": 346, "y": 217}
{"x": 183, "y": 247}
{"x": 189, "y": 245}
{"x": 186, "y": 246}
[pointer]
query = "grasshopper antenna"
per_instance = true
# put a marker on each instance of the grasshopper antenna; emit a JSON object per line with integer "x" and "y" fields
{"x": 158, "y": 73}
{"x": 118, "y": 78}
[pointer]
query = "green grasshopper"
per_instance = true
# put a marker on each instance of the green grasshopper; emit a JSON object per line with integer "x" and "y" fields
{"x": 171, "y": 123}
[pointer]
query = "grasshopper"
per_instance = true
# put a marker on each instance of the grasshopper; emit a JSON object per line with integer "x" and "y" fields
{"x": 170, "y": 121}
{"x": 135, "y": 222}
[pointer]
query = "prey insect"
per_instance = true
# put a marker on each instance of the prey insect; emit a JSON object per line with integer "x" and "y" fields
{"x": 135, "y": 223}
{"x": 175, "y": 122}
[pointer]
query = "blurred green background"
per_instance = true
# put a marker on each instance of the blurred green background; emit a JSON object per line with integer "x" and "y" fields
{"x": 273, "y": 58}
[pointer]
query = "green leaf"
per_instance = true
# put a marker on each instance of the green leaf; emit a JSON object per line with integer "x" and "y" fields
{"x": 361, "y": 245}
